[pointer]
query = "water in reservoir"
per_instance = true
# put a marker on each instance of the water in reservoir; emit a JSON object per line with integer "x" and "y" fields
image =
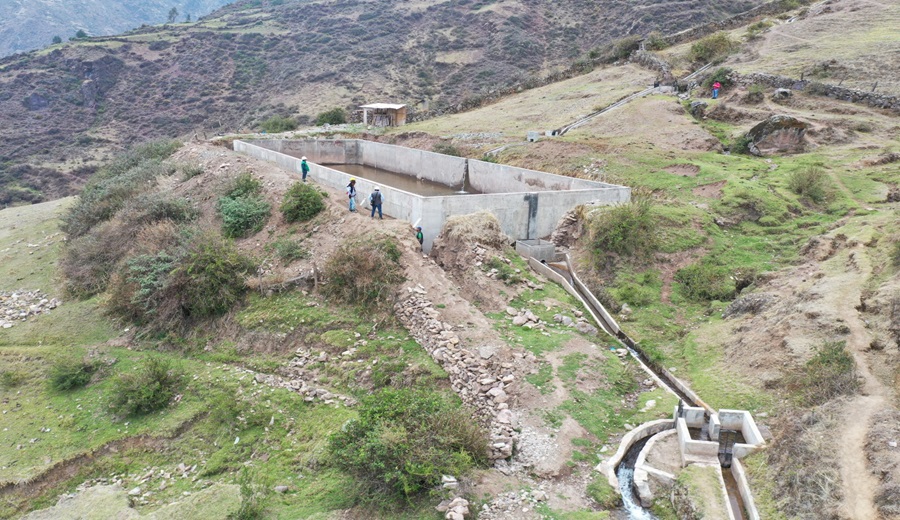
{"x": 400, "y": 181}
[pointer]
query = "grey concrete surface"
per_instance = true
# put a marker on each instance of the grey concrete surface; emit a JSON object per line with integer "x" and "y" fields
{"x": 527, "y": 203}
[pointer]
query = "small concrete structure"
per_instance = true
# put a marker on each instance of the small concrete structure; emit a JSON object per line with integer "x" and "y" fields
{"x": 527, "y": 203}
{"x": 738, "y": 420}
{"x": 384, "y": 114}
{"x": 542, "y": 250}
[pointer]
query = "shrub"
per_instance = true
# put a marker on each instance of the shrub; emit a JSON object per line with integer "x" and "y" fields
{"x": 243, "y": 216}
{"x": 244, "y": 185}
{"x": 817, "y": 88}
{"x": 148, "y": 388}
{"x": 276, "y": 124}
{"x": 69, "y": 373}
{"x": 446, "y": 149}
{"x": 301, "y": 202}
{"x": 335, "y": 116}
{"x": 505, "y": 272}
{"x": 89, "y": 261}
{"x": 656, "y": 41}
{"x": 830, "y": 373}
{"x": 756, "y": 29}
{"x": 11, "y": 378}
{"x": 722, "y": 75}
{"x": 811, "y": 183}
{"x": 242, "y": 209}
{"x": 189, "y": 171}
{"x": 288, "y": 250}
{"x": 895, "y": 254}
{"x": 404, "y": 440}
{"x": 135, "y": 293}
{"x": 627, "y": 230}
{"x": 364, "y": 272}
{"x": 712, "y": 48}
{"x": 605, "y": 495}
{"x": 122, "y": 178}
{"x": 209, "y": 280}
{"x": 741, "y": 145}
{"x": 623, "y": 47}
{"x": 705, "y": 281}
{"x": 101, "y": 199}
{"x": 154, "y": 207}
{"x": 756, "y": 93}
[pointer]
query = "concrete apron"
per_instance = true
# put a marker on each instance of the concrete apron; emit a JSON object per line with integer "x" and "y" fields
{"x": 527, "y": 203}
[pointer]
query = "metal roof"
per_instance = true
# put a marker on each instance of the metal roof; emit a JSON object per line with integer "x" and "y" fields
{"x": 382, "y": 106}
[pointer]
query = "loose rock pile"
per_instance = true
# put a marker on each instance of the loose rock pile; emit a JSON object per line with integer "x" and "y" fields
{"x": 456, "y": 509}
{"x": 479, "y": 378}
{"x": 528, "y": 319}
{"x": 18, "y": 306}
{"x": 297, "y": 380}
{"x": 512, "y": 504}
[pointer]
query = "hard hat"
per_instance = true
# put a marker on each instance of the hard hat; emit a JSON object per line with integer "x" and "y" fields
{"x": 377, "y": 189}
{"x": 352, "y": 179}
{"x": 303, "y": 158}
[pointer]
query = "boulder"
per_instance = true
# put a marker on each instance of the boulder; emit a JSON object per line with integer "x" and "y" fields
{"x": 782, "y": 93}
{"x": 778, "y": 134}
{"x": 698, "y": 109}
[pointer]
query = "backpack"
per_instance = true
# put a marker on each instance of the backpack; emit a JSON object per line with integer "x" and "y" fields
{"x": 376, "y": 198}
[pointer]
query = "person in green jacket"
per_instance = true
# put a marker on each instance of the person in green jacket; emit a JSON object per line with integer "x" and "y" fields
{"x": 420, "y": 236}
{"x": 304, "y": 167}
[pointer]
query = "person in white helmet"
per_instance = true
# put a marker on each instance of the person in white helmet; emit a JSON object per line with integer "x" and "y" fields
{"x": 304, "y": 168}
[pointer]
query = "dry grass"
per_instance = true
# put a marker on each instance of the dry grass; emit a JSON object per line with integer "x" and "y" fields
{"x": 808, "y": 480}
{"x": 481, "y": 227}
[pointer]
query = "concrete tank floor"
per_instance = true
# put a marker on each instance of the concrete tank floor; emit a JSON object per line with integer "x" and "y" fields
{"x": 400, "y": 181}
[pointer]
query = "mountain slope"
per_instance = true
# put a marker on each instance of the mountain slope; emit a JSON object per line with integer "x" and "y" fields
{"x": 247, "y": 62}
{"x": 33, "y": 24}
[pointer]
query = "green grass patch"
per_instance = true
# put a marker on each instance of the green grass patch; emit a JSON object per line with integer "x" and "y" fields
{"x": 602, "y": 411}
{"x": 762, "y": 483}
{"x": 548, "y": 513}
{"x": 543, "y": 380}
{"x": 288, "y": 311}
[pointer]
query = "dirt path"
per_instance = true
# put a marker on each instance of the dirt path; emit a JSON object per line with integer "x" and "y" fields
{"x": 858, "y": 483}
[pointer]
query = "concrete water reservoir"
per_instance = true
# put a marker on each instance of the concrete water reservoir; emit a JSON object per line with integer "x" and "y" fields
{"x": 527, "y": 203}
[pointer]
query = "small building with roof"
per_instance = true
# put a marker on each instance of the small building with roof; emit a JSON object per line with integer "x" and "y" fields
{"x": 384, "y": 114}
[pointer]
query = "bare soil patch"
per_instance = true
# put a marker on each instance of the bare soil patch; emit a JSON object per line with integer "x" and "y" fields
{"x": 684, "y": 170}
{"x": 710, "y": 191}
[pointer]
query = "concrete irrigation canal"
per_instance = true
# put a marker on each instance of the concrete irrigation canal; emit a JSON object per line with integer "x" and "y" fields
{"x": 425, "y": 188}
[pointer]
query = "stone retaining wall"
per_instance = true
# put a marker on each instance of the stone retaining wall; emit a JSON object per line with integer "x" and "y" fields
{"x": 872, "y": 99}
{"x": 479, "y": 378}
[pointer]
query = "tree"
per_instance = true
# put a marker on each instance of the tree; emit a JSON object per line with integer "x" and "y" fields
{"x": 57, "y": 39}
{"x": 335, "y": 116}
{"x": 187, "y": 18}
{"x": 173, "y": 13}
{"x": 81, "y": 34}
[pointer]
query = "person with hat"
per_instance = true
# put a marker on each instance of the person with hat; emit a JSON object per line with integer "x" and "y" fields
{"x": 375, "y": 199}
{"x": 351, "y": 194}
{"x": 304, "y": 168}
{"x": 420, "y": 236}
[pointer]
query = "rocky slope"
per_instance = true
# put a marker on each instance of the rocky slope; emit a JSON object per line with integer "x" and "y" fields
{"x": 31, "y": 25}
{"x": 252, "y": 60}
